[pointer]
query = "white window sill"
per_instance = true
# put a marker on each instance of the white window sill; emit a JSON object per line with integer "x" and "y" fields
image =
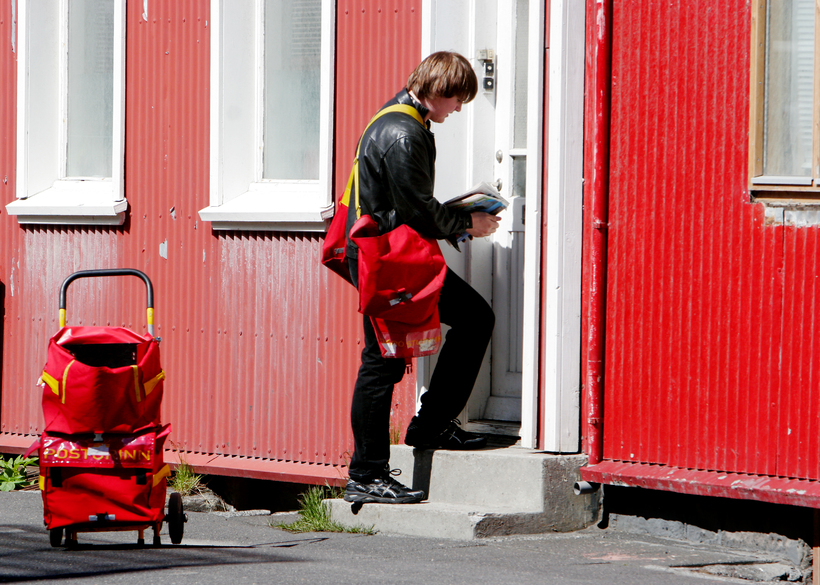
{"x": 782, "y": 180}
{"x": 71, "y": 203}
{"x": 271, "y": 207}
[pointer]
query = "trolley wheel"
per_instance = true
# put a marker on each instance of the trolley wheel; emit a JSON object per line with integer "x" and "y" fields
{"x": 175, "y": 518}
{"x": 55, "y": 536}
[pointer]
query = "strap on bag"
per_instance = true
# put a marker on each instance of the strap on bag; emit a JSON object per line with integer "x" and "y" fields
{"x": 353, "y": 180}
{"x": 333, "y": 248}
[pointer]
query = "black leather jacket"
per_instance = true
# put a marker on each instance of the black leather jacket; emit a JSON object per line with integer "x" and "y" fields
{"x": 396, "y": 177}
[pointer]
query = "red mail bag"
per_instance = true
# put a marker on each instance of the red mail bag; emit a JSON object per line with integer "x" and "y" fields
{"x": 401, "y": 272}
{"x": 333, "y": 247}
{"x": 400, "y": 340}
{"x": 82, "y": 396}
{"x": 90, "y": 482}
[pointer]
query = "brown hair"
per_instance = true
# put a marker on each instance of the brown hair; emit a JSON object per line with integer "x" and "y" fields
{"x": 444, "y": 74}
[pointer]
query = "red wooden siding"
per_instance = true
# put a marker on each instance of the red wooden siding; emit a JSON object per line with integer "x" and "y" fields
{"x": 260, "y": 343}
{"x": 711, "y": 362}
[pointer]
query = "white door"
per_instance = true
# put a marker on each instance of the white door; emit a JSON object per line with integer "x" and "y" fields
{"x": 488, "y": 142}
{"x": 533, "y": 367}
{"x": 510, "y": 165}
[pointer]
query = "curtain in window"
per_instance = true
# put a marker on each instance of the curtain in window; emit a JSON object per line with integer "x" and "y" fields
{"x": 789, "y": 99}
{"x": 90, "y": 88}
{"x": 292, "y": 89}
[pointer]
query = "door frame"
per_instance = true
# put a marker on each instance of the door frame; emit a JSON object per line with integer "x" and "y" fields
{"x": 536, "y": 106}
{"x": 552, "y": 311}
{"x": 561, "y": 319}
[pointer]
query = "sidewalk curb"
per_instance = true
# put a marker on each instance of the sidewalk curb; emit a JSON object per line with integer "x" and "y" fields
{"x": 782, "y": 558}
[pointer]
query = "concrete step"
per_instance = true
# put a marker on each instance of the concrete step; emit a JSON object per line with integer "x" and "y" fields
{"x": 479, "y": 494}
{"x": 437, "y": 520}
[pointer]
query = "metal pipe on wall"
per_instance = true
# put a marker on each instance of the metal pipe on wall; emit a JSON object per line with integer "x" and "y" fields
{"x": 599, "y": 69}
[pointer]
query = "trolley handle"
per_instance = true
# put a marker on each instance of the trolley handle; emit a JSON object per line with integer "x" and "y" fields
{"x": 110, "y": 272}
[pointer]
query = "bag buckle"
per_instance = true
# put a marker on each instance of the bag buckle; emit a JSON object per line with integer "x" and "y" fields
{"x": 402, "y": 296}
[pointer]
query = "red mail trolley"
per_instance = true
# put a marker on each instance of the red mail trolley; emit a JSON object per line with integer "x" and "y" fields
{"x": 101, "y": 450}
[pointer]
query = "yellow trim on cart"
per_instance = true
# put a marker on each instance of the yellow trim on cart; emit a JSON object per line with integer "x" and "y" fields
{"x": 137, "y": 382}
{"x": 65, "y": 378}
{"x": 52, "y": 382}
{"x": 152, "y": 383}
{"x": 161, "y": 474}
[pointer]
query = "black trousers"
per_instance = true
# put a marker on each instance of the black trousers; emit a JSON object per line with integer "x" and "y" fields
{"x": 471, "y": 322}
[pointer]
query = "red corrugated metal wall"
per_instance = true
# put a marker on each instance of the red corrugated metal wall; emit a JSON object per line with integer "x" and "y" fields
{"x": 260, "y": 342}
{"x": 710, "y": 317}
{"x": 799, "y": 413}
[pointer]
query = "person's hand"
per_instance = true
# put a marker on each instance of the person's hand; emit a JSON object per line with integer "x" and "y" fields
{"x": 484, "y": 224}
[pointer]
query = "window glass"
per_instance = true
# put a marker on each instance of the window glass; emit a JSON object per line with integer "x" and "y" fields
{"x": 789, "y": 84}
{"x": 292, "y": 84}
{"x": 271, "y": 131}
{"x": 90, "y": 88}
{"x": 522, "y": 11}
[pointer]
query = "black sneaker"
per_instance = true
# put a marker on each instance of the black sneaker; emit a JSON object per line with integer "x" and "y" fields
{"x": 381, "y": 490}
{"x": 453, "y": 437}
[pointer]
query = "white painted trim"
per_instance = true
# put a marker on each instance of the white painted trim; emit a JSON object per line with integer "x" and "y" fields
{"x": 51, "y": 198}
{"x": 424, "y": 365}
{"x": 118, "y": 139}
{"x": 427, "y": 27}
{"x": 326, "y": 102}
{"x": 22, "y": 109}
{"x": 71, "y": 202}
{"x": 259, "y": 91}
{"x": 63, "y": 85}
{"x": 532, "y": 235}
{"x": 267, "y": 205}
{"x": 215, "y": 174}
{"x": 260, "y": 204}
{"x": 781, "y": 180}
{"x": 561, "y": 375}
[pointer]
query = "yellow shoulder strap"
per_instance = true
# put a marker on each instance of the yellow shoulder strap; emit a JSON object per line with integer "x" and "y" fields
{"x": 353, "y": 180}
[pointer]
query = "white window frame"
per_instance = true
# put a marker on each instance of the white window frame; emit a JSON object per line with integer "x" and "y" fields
{"x": 44, "y": 194}
{"x": 239, "y": 198}
{"x": 769, "y": 187}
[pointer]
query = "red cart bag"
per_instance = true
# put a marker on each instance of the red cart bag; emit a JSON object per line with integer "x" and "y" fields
{"x": 81, "y": 395}
{"x": 128, "y": 469}
{"x": 101, "y": 453}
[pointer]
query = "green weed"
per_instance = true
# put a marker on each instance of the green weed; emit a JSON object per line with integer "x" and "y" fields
{"x": 13, "y": 473}
{"x": 395, "y": 434}
{"x": 315, "y": 513}
{"x": 184, "y": 480}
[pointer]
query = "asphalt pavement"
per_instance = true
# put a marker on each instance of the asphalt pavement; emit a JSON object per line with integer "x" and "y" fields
{"x": 227, "y": 549}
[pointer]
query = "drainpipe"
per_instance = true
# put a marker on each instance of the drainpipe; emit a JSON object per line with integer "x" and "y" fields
{"x": 599, "y": 71}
